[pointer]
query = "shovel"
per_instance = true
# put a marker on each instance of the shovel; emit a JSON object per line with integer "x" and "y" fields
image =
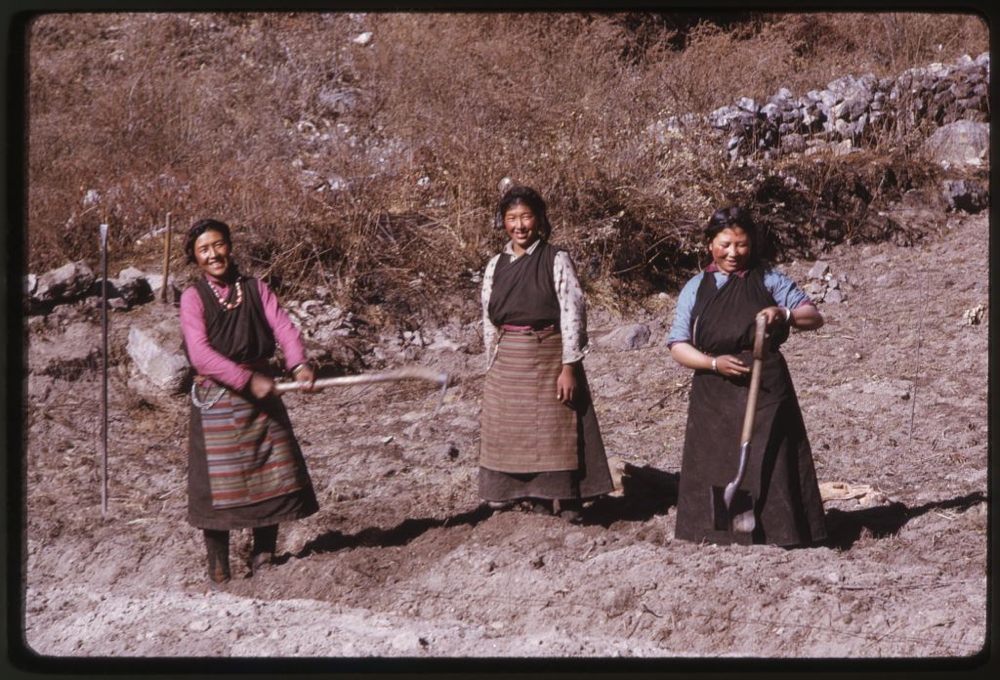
{"x": 406, "y": 373}
{"x": 732, "y": 507}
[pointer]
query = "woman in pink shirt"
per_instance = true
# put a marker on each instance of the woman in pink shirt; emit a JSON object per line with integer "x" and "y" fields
{"x": 245, "y": 468}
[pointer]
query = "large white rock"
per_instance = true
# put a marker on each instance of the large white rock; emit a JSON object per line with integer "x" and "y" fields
{"x": 157, "y": 355}
{"x": 963, "y": 142}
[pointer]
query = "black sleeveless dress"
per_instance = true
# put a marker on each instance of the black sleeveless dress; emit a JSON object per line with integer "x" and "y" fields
{"x": 780, "y": 476}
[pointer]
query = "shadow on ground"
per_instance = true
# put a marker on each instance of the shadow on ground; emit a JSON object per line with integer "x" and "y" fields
{"x": 844, "y": 528}
{"x": 401, "y": 534}
{"x": 647, "y": 492}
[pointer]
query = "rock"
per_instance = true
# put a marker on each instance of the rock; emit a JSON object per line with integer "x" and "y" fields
{"x": 793, "y": 143}
{"x": 199, "y": 626}
{"x": 68, "y": 354}
{"x": 339, "y": 103}
{"x": 155, "y": 282}
{"x": 632, "y": 336}
{"x": 833, "y": 295}
{"x": 963, "y": 142}
{"x": 842, "y": 113}
{"x": 157, "y": 355}
{"x": 65, "y": 283}
{"x": 132, "y": 286}
{"x": 815, "y": 290}
{"x": 819, "y": 270}
{"x": 441, "y": 342}
{"x": 844, "y": 147}
{"x": 974, "y": 315}
{"x": 966, "y": 195}
{"x": 616, "y": 600}
{"x": 748, "y": 104}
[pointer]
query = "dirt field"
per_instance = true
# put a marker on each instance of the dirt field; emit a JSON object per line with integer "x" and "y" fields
{"x": 404, "y": 561}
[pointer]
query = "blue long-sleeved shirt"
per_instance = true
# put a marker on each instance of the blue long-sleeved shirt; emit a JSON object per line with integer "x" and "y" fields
{"x": 784, "y": 291}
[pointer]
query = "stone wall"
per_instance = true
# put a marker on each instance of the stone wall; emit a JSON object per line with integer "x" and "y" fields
{"x": 852, "y": 110}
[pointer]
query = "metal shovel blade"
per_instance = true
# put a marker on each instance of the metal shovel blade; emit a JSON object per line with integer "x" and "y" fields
{"x": 737, "y": 516}
{"x": 732, "y": 507}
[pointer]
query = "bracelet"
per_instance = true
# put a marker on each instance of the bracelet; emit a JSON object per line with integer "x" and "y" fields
{"x": 295, "y": 369}
{"x": 788, "y": 314}
{"x": 715, "y": 364}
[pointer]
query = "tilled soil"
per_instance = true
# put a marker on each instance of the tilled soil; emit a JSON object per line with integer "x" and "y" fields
{"x": 403, "y": 559}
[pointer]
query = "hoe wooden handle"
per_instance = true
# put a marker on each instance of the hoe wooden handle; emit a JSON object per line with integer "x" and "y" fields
{"x": 408, "y": 373}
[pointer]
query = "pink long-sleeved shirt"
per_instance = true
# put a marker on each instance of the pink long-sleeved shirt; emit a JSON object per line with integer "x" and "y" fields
{"x": 210, "y": 363}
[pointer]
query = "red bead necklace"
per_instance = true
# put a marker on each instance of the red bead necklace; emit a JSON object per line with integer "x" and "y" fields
{"x": 226, "y": 305}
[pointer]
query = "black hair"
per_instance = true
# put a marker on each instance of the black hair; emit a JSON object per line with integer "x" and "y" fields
{"x": 530, "y": 198}
{"x": 199, "y": 228}
{"x": 734, "y": 216}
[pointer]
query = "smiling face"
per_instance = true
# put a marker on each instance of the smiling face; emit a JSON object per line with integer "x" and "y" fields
{"x": 730, "y": 249}
{"x": 213, "y": 253}
{"x": 521, "y": 225}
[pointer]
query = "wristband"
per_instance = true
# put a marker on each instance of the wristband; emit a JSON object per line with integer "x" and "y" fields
{"x": 295, "y": 369}
{"x": 788, "y": 314}
{"x": 715, "y": 364}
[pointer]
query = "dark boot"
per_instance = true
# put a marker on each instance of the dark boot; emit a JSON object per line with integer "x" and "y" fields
{"x": 217, "y": 544}
{"x": 539, "y": 506}
{"x": 570, "y": 509}
{"x": 265, "y": 541}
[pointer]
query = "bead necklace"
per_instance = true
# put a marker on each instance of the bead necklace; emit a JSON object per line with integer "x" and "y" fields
{"x": 228, "y": 306}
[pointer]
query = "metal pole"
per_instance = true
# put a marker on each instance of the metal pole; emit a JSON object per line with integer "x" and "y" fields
{"x": 104, "y": 370}
{"x": 166, "y": 261}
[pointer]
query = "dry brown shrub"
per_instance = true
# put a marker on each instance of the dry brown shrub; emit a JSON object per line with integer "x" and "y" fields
{"x": 372, "y": 169}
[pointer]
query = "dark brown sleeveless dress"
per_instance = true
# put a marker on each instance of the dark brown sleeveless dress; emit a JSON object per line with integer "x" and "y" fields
{"x": 780, "y": 474}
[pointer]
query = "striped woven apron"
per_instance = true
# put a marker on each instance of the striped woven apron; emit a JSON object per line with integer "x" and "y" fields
{"x": 249, "y": 452}
{"x": 525, "y": 428}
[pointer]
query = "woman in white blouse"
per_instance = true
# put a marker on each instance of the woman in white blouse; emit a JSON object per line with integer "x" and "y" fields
{"x": 540, "y": 438}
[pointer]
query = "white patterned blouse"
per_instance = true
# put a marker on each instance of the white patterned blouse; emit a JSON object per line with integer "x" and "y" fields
{"x": 572, "y": 306}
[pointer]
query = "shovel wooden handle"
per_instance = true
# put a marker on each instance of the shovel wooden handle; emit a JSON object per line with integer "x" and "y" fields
{"x": 759, "y": 348}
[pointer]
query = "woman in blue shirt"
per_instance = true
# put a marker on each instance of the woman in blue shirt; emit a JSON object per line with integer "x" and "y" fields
{"x": 713, "y": 333}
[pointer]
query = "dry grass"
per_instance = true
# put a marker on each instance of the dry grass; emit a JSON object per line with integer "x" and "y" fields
{"x": 388, "y": 199}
